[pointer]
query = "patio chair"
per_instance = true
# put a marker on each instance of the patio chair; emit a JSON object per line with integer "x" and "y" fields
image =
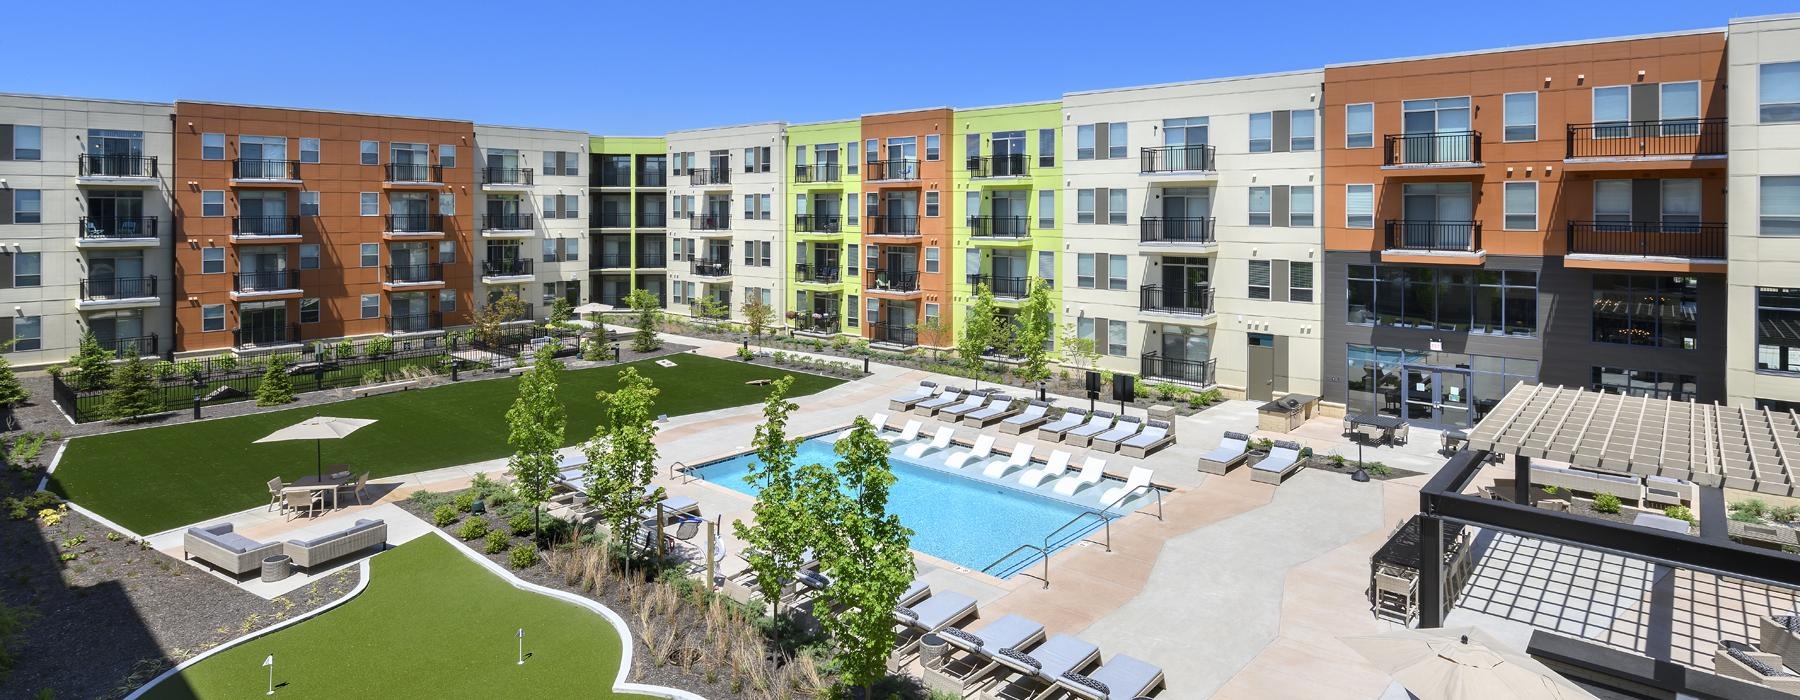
{"x": 128, "y": 228}
{"x": 939, "y": 441}
{"x": 275, "y": 499}
{"x": 930, "y": 406}
{"x": 1122, "y": 677}
{"x": 355, "y": 489}
{"x": 1399, "y": 436}
{"x": 906, "y": 434}
{"x": 1284, "y": 459}
{"x": 1091, "y": 472}
{"x": 879, "y": 420}
{"x": 1138, "y": 479}
{"x": 1232, "y": 451}
{"x": 295, "y": 499}
{"x": 1049, "y": 661}
{"x": 1098, "y": 422}
{"x": 1121, "y": 431}
{"x": 1001, "y": 407}
{"x": 1371, "y": 434}
{"x": 91, "y": 230}
{"x": 905, "y": 402}
{"x": 969, "y": 404}
{"x": 1155, "y": 437}
{"x": 1023, "y": 421}
{"x": 984, "y": 446}
{"x": 934, "y": 613}
{"x": 1349, "y": 423}
{"x": 1058, "y": 463}
{"x": 979, "y": 647}
{"x": 1020, "y": 458}
{"x": 1071, "y": 419}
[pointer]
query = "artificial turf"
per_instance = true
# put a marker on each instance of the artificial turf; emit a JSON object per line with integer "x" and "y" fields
{"x": 155, "y": 479}
{"x": 430, "y": 624}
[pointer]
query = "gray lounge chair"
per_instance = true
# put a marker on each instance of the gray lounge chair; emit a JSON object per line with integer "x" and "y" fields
{"x": 985, "y": 416}
{"x": 1282, "y": 461}
{"x": 970, "y": 403}
{"x": 1071, "y": 418}
{"x": 1049, "y": 661}
{"x": 934, "y": 613}
{"x": 1155, "y": 437}
{"x": 905, "y": 402}
{"x": 1032, "y": 417}
{"x": 1098, "y": 422}
{"x": 1122, "y": 678}
{"x": 979, "y": 647}
{"x": 1232, "y": 450}
{"x": 1123, "y": 430}
{"x": 949, "y": 397}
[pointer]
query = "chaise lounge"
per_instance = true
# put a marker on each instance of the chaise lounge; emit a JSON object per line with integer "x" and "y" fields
{"x": 1024, "y": 421}
{"x": 1122, "y": 677}
{"x": 1001, "y": 407}
{"x": 1071, "y": 418}
{"x": 971, "y": 403}
{"x": 1155, "y": 437}
{"x": 1098, "y": 422}
{"x": 930, "y": 406}
{"x": 1283, "y": 460}
{"x": 905, "y": 402}
{"x": 1232, "y": 451}
{"x": 1043, "y": 665}
{"x": 1108, "y": 441}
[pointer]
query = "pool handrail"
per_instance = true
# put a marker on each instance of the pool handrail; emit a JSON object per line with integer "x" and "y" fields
{"x": 1044, "y": 550}
{"x": 1041, "y": 555}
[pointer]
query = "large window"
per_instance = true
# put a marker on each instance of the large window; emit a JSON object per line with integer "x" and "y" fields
{"x": 1084, "y": 206}
{"x": 1115, "y": 271}
{"x": 1084, "y": 270}
{"x": 212, "y": 317}
{"x": 212, "y": 147}
{"x": 1259, "y": 206}
{"x": 27, "y": 142}
{"x": 28, "y": 206}
{"x": 1046, "y": 148}
{"x": 1377, "y": 377}
{"x": 1780, "y": 206}
{"x": 1778, "y": 92}
{"x": 1359, "y": 206}
{"x": 1359, "y": 125}
{"x": 1300, "y": 205}
{"x": 1494, "y": 302}
{"x": 1259, "y": 279}
{"x": 1300, "y": 281}
{"x": 1115, "y": 337}
{"x": 1777, "y": 329}
{"x": 1658, "y": 311}
{"x": 1521, "y": 116}
{"x": 1262, "y": 132}
{"x": 1301, "y": 130}
{"x": 1115, "y": 206}
{"x": 1084, "y": 142}
{"x": 28, "y": 269}
{"x": 1115, "y": 140}
{"x": 1521, "y": 206}
{"x": 1646, "y": 383}
{"x": 1046, "y": 209}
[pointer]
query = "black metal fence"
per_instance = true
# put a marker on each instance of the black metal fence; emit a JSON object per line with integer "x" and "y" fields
{"x": 1442, "y": 236}
{"x": 265, "y": 226}
{"x": 710, "y": 222}
{"x": 894, "y": 333}
{"x": 999, "y": 226}
{"x": 1182, "y": 300}
{"x": 118, "y": 227}
{"x": 900, "y": 169}
{"x": 1192, "y": 371}
{"x": 94, "y": 165}
{"x": 1647, "y": 238}
{"x": 1158, "y": 229}
{"x": 506, "y": 222}
{"x": 892, "y": 225}
{"x": 893, "y": 280}
{"x": 414, "y": 172}
{"x": 1011, "y": 287}
{"x": 101, "y": 288}
{"x": 259, "y": 169}
{"x": 1004, "y": 165}
{"x": 1436, "y": 148}
{"x": 817, "y": 274}
{"x": 827, "y": 172}
{"x": 415, "y": 223}
{"x": 709, "y": 176}
{"x": 1174, "y": 159}
{"x": 1652, "y": 138}
{"x": 817, "y": 223}
{"x": 506, "y": 176}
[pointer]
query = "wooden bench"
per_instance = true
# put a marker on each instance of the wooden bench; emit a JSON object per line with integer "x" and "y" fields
{"x": 376, "y": 389}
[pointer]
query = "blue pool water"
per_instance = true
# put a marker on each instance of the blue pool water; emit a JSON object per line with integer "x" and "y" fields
{"x": 960, "y": 518}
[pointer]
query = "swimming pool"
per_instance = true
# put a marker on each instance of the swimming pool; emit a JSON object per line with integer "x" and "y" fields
{"x": 959, "y": 516}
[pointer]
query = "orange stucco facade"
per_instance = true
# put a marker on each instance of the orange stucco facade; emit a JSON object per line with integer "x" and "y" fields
{"x": 930, "y": 236}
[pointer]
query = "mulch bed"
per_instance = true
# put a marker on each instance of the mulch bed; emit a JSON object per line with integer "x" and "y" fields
{"x": 1349, "y": 467}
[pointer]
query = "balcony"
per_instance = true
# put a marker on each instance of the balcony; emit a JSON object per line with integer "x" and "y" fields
{"x": 422, "y": 274}
{"x": 132, "y": 232}
{"x": 266, "y": 282}
{"x": 816, "y": 323}
{"x": 893, "y": 334}
{"x": 709, "y": 176}
{"x": 891, "y": 225}
{"x": 498, "y": 270}
{"x": 648, "y": 220}
{"x": 1648, "y": 239}
{"x": 1005, "y": 165}
{"x": 710, "y": 267}
{"x": 652, "y": 174}
{"x": 652, "y": 260}
{"x": 116, "y": 170}
{"x": 414, "y": 174}
{"x": 404, "y": 226}
{"x": 134, "y": 346}
{"x": 1010, "y": 227}
{"x": 892, "y": 282}
{"x": 248, "y": 170}
{"x": 1441, "y": 149}
{"x": 890, "y": 170}
{"x": 1191, "y": 301}
{"x": 507, "y": 178}
{"x": 710, "y": 222}
{"x": 265, "y": 228}
{"x": 1434, "y": 236}
{"x": 415, "y": 323}
{"x": 829, "y": 172}
{"x": 807, "y": 273}
{"x": 1197, "y": 231}
{"x": 611, "y": 261}
{"x": 611, "y": 219}
{"x": 118, "y": 293}
{"x": 506, "y": 226}
{"x": 1199, "y": 372}
{"x": 266, "y": 334}
{"x": 1661, "y": 139}
{"x": 818, "y": 223}
{"x": 1003, "y": 287}
{"x": 1177, "y": 159}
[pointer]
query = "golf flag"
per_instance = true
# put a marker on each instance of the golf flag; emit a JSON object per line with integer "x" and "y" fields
{"x": 521, "y": 633}
{"x": 270, "y": 661}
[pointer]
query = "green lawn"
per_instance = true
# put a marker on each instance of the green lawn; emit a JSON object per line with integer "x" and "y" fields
{"x": 431, "y": 624}
{"x": 159, "y": 478}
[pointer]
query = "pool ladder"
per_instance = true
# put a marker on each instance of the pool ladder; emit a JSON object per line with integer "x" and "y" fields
{"x": 1043, "y": 550}
{"x": 679, "y": 472}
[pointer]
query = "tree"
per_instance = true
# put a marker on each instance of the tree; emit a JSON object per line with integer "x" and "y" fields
{"x": 1034, "y": 332}
{"x": 929, "y": 330}
{"x": 133, "y": 392}
{"x": 535, "y": 426}
{"x": 622, "y": 457}
{"x": 489, "y": 321}
{"x": 709, "y": 308}
{"x": 276, "y": 387}
{"x": 1080, "y": 349}
{"x": 92, "y": 362}
{"x": 649, "y": 317}
{"x": 980, "y": 331}
{"x": 12, "y": 392}
{"x": 778, "y": 538}
{"x": 560, "y": 310}
{"x": 866, "y": 549}
{"x": 757, "y": 315}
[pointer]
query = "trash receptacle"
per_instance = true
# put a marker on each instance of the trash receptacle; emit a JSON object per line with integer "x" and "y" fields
{"x": 932, "y": 650}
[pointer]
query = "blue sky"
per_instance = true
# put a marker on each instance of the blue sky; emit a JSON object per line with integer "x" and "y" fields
{"x": 640, "y": 67}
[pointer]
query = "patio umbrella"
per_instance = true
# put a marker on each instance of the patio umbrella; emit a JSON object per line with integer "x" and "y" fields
{"x": 1462, "y": 664}
{"x": 592, "y": 308}
{"x": 318, "y": 429}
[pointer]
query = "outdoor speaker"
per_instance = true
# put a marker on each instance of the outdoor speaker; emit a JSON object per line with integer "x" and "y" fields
{"x": 1124, "y": 388}
{"x": 1093, "y": 381}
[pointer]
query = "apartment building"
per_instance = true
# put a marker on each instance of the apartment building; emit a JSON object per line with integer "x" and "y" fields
{"x": 85, "y": 226}
{"x": 1192, "y": 231}
{"x": 1007, "y": 179}
{"x": 906, "y": 230}
{"x": 727, "y": 194}
{"x": 825, "y": 231}
{"x": 1762, "y": 346}
{"x": 1549, "y": 213}
{"x": 629, "y": 180}
{"x": 529, "y": 215}
{"x": 301, "y": 225}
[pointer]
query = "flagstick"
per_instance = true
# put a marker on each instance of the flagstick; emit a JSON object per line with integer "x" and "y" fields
{"x": 521, "y": 646}
{"x": 271, "y": 664}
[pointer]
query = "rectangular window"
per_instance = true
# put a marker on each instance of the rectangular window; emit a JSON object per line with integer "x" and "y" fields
{"x": 447, "y": 203}
{"x": 28, "y": 269}
{"x": 447, "y": 301}
{"x": 1301, "y": 130}
{"x": 1359, "y": 125}
{"x": 371, "y": 255}
{"x": 371, "y": 153}
{"x": 1084, "y": 142}
{"x": 1778, "y": 92}
{"x": 28, "y": 206}
{"x": 766, "y": 206}
{"x": 1780, "y": 206}
{"x": 447, "y": 252}
{"x": 1262, "y": 132}
{"x": 1521, "y": 116}
{"x": 874, "y": 205}
{"x": 1777, "y": 313}
{"x": 447, "y": 156}
{"x": 1491, "y": 302}
{"x": 749, "y": 253}
{"x": 1115, "y": 338}
{"x": 1046, "y": 148}
{"x": 1300, "y": 205}
{"x": 1300, "y": 281}
{"x": 212, "y": 317}
{"x": 1645, "y": 383}
{"x": 309, "y": 150}
{"x": 309, "y": 310}
{"x": 1046, "y": 208}
{"x": 212, "y": 203}
{"x": 551, "y": 203}
{"x": 1115, "y": 271}
{"x": 1259, "y": 206}
{"x": 369, "y": 203}
{"x": 549, "y": 250}
{"x": 931, "y": 147}
{"x": 28, "y": 142}
{"x": 1650, "y": 310}
{"x": 1047, "y": 265}
{"x": 1084, "y": 328}
{"x": 1115, "y": 140}
{"x": 1115, "y": 206}
{"x": 1359, "y": 206}
{"x": 931, "y": 204}
{"x": 1084, "y": 270}
{"x": 1259, "y": 279}
{"x": 852, "y": 310}
{"x": 212, "y": 261}
{"x": 1521, "y": 206}
{"x": 371, "y": 306}
{"x": 212, "y": 147}
{"x": 850, "y": 209}
{"x": 309, "y": 256}
{"x": 309, "y": 203}
{"x": 1084, "y": 206}
{"x": 931, "y": 260}
{"x": 931, "y": 312}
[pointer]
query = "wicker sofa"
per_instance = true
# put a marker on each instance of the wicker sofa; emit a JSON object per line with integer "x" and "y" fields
{"x": 226, "y": 550}
{"x": 318, "y": 550}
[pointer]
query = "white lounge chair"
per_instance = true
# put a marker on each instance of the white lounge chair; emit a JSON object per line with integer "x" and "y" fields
{"x": 1021, "y": 457}
{"x": 905, "y": 402}
{"x": 1121, "y": 431}
{"x": 984, "y": 446}
{"x": 1000, "y": 407}
{"x": 1139, "y": 478}
{"x": 907, "y": 433}
{"x": 1032, "y": 417}
{"x": 1071, "y": 419}
{"x": 1098, "y": 422}
{"x": 930, "y": 406}
{"x": 1232, "y": 450}
{"x": 1058, "y": 463}
{"x": 1283, "y": 459}
{"x": 878, "y": 420}
{"x": 969, "y": 404}
{"x": 1091, "y": 471}
{"x": 1155, "y": 437}
{"x": 939, "y": 441}
{"x": 1122, "y": 677}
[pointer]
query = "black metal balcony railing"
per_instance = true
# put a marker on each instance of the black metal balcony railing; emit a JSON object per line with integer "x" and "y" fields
{"x": 1159, "y": 229}
{"x": 893, "y": 281}
{"x": 710, "y": 222}
{"x": 506, "y": 267}
{"x": 1438, "y": 148}
{"x": 710, "y": 176}
{"x": 828, "y": 172}
{"x": 1196, "y": 299}
{"x": 1446, "y": 236}
{"x": 415, "y": 223}
{"x": 818, "y": 223}
{"x": 1641, "y": 139}
{"x": 506, "y": 222}
{"x": 611, "y": 261}
{"x": 999, "y": 226}
{"x": 1648, "y": 238}
{"x": 416, "y": 323}
{"x": 414, "y": 172}
{"x": 902, "y": 169}
{"x": 266, "y": 281}
{"x": 138, "y": 346}
{"x": 507, "y": 176}
{"x": 1175, "y": 159}
{"x": 710, "y": 267}
{"x": 611, "y": 219}
{"x": 817, "y": 323}
{"x": 649, "y": 175}
{"x": 1192, "y": 371}
{"x": 891, "y": 225}
{"x": 265, "y": 226}
{"x": 817, "y": 274}
{"x": 893, "y": 333}
{"x": 1009, "y": 287}
{"x": 652, "y": 220}
{"x": 266, "y": 334}
{"x": 1004, "y": 165}
{"x": 652, "y": 259}
{"x": 118, "y": 227}
{"x": 614, "y": 175}
{"x": 100, "y": 288}
{"x": 253, "y": 169}
{"x": 91, "y": 165}
{"x": 415, "y": 274}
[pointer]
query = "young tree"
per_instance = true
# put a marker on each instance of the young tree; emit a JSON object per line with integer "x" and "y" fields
{"x": 757, "y": 315}
{"x": 780, "y": 534}
{"x": 1034, "y": 331}
{"x": 930, "y": 329}
{"x": 561, "y": 310}
{"x": 649, "y": 316}
{"x": 867, "y": 549}
{"x": 622, "y": 457}
{"x": 1080, "y": 349}
{"x": 92, "y": 362}
{"x": 276, "y": 387}
{"x": 709, "y": 308}
{"x": 489, "y": 321}
{"x": 133, "y": 392}
{"x": 535, "y": 425}
{"x": 12, "y": 392}
{"x": 980, "y": 331}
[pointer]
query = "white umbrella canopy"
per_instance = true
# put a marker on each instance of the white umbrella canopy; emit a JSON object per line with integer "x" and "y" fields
{"x": 1462, "y": 664}
{"x": 318, "y": 428}
{"x": 592, "y": 308}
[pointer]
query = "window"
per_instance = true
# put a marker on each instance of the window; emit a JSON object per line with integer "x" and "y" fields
{"x": 1047, "y": 265}
{"x": 873, "y": 205}
{"x": 1300, "y": 205}
{"x": 1115, "y": 271}
{"x": 447, "y": 156}
{"x": 931, "y": 204}
{"x": 1777, "y": 314}
{"x": 1359, "y": 206}
{"x": 931, "y": 312}
{"x": 309, "y": 310}
{"x": 371, "y": 255}
{"x": 447, "y": 252}
{"x": 447, "y": 301}
{"x": 1521, "y": 116}
{"x": 852, "y": 309}
{"x": 1650, "y": 310}
{"x": 1259, "y": 279}
{"x": 1046, "y": 208}
{"x": 309, "y": 256}
{"x": 931, "y": 260}
{"x": 1300, "y": 281}
{"x": 28, "y": 142}
{"x": 749, "y": 253}
{"x": 931, "y": 146}
{"x": 1521, "y": 206}
{"x": 550, "y": 251}
{"x": 850, "y": 208}
{"x": 872, "y": 150}
{"x": 1262, "y": 132}
{"x": 1259, "y": 206}
{"x": 1115, "y": 140}
{"x": 552, "y": 163}
{"x": 1493, "y": 302}
{"x": 28, "y": 206}
{"x": 1115, "y": 206}
{"x": 1359, "y": 125}
{"x": 1084, "y": 328}
{"x": 1084, "y": 142}
{"x": 850, "y": 260}
{"x": 1115, "y": 338}
{"x": 370, "y": 203}
{"x": 1301, "y": 130}
{"x": 1084, "y": 206}
{"x": 1780, "y": 206}
{"x": 1046, "y": 148}
{"x": 1084, "y": 270}
{"x": 1778, "y": 92}
{"x": 309, "y": 151}
{"x": 309, "y": 203}
{"x": 1646, "y": 383}
{"x": 212, "y": 317}
{"x": 371, "y": 306}
{"x": 766, "y": 206}
{"x": 447, "y": 203}
{"x": 1612, "y": 108}
{"x": 371, "y": 153}
{"x": 212, "y": 147}
{"x": 212, "y": 203}
{"x": 212, "y": 261}
{"x": 28, "y": 269}
{"x": 768, "y": 254}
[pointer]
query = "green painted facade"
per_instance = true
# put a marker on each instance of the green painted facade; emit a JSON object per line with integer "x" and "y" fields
{"x": 1006, "y": 225}
{"x": 624, "y": 252}
{"x": 823, "y": 231}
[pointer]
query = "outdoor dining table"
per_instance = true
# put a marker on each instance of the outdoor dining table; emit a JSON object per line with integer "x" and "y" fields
{"x": 1387, "y": 424}
{"x": 329, "y": 483}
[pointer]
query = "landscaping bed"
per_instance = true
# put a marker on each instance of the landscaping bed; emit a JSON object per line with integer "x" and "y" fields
{"x": 1377, "y": 470}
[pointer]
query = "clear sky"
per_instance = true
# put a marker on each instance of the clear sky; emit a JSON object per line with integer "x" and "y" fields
{"x": 652, "y": 66}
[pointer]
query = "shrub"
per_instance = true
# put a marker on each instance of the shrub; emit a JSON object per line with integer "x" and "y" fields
{"x": 1209, "y": 397}
{"x": 1783, "y": 514}
{"x": 1752, "y": 507}
{"x": 225, "y": 363}
{"x": 521, "y": 523}
{"x": 1550, "y": 490}
{"x": 378, "y": 346}
{"x": 1606, "y": 503}
{"x": 444, "y": 515}
{"x": 133, "y": 393}
{"x": 277, "y": 387}
{"x": 428, "y": 500}
{"x": 473, "y": 528}
{"x": 1679, "y": 513}
{"x": 464, "y": 501}
{"x": 22, "y": 508}
{"x": 373, "y": 376}
{"x": 163, "y": 369}
{"x": 496, "y": 541}
{"x": 192, "y": 369}
{"x": 745, "y": 354}
{"x": 1377, "y": 468}
{"x": 1165, "y": 391}
{"x": 595, "y": 350}
{"x": 523, "y": 555}
{"x": 1263, "y": 444}
{"x": 346, "y": 349}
